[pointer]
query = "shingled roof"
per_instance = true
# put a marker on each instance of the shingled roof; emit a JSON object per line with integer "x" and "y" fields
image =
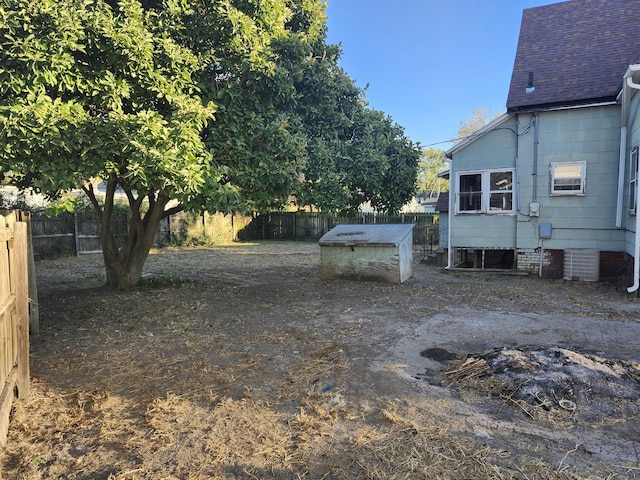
{"x": 575, "y": 52}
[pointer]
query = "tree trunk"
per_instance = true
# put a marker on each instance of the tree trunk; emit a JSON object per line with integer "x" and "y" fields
{"x": 124, "y": 270}
{"x": 124, "y": 264}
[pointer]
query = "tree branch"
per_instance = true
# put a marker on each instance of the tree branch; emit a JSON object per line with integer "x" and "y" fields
{"x": 173, "y": 210}
{"x": 88, "y": 190}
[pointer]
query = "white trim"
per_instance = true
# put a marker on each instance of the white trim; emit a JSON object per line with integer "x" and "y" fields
{"x": 538, "y": 108}
{"x": 485, "y": 192}
{"x": 475, "y": 136}
{"x": 633, "y": 179}
{"x": 583, "y": 179}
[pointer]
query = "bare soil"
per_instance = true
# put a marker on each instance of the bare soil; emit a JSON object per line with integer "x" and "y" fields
{"x": 241, "y": 362}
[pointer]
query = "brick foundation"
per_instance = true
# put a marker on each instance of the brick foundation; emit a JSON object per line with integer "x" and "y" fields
{"x": 612, "y": 264}
{"x": 552, "y": 262}
{"x": 615, "y": 264}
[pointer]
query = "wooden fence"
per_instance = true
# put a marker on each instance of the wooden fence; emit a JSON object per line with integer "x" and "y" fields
{"x": 311, "y": 226}
{"x": 70, "y": 233}
{"x": 80, "y": 233}
{"x": 14, "y": 314}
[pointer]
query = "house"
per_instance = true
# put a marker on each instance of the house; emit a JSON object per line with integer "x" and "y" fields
{"x": 550, "y": 186}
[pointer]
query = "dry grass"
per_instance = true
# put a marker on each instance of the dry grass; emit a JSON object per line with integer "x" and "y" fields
{"x": 259, "y": 372}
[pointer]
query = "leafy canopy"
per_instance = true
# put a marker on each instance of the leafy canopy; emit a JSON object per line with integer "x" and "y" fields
{"x": 125, "y": 92}
{"x": 432, "y": 163}
{"x": 224, "y": 105}
{"x": 93, "y": 92}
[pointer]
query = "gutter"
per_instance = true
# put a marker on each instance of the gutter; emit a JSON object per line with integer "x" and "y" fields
{"x": 629, "y": 83}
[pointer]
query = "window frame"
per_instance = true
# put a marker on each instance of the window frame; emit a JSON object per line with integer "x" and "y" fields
{"x": 582, "y": 191}
{"x": 485, "y": 193}
{"x": 633, "y": 180}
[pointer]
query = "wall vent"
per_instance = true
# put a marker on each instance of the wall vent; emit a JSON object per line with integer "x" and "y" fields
{"x": 582, "y": 265}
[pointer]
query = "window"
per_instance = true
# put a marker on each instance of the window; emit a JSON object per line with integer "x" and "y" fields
{"x": 470, "y": 192}
{"x": 485, "y": 192}
{"x": 633, "y": 181}
{"x": 568, "y": 178}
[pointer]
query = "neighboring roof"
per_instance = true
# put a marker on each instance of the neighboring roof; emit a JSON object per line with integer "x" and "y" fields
{"x": 577, "y": 52}
{"x": 378, "y": 235}
{"x": 442, "y": 205}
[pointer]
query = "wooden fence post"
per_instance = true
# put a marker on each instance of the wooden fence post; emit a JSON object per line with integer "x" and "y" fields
{"x": 76, "y": 233}
{"x": 22, "y": 306}
{"x": 14, "y": 316}
{"x": 34, "y": 312}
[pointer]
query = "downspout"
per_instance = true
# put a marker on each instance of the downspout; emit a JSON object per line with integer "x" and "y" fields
{"x": 628, "y": 82}
{"x": 515, "y": 161}
{"x": 450, "y": 217}
{"x": 536, "y": 132}
{"x": 535, "y": 157}
{"x": 624, "y": 101}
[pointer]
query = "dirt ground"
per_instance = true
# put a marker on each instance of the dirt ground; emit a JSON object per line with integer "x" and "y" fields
{"x": 241, "y": 362}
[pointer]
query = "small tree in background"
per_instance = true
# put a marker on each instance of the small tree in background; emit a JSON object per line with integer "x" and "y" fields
{"x": 478, "y": 119}
{"x": 431, "y": 164}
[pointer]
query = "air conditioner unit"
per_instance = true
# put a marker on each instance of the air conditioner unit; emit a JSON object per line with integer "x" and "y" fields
{"x": 582, "y": 265}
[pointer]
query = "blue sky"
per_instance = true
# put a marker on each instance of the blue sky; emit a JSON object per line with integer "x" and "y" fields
{"x": 429, "y": 63}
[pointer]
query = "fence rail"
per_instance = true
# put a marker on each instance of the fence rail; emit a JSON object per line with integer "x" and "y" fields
{"x": 14, "y": 314}
{"x": 68, "y": 233}
{"x": 311, "y": 226}
{"x": 80, "y": 233}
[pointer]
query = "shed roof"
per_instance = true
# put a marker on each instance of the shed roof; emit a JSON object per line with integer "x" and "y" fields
{"x": 576, "y": 53}
{"x": 376, "y": 235}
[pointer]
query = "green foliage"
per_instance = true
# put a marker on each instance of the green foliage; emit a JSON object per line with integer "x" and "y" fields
{"x": 124, "y": 94}
{"x": 63, "y": 204}
{"x": 431, "y": 164}
{"x": 88, "y": 91}
{"x": 354, "y": 154}
{"x": 224, "y": 105}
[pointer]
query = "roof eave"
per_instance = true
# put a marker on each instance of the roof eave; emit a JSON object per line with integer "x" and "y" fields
{"x": 478, "y": 134}
{"x": 591, "y": 102}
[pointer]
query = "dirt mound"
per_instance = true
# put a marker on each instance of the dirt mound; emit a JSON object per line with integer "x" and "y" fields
{"x": 586, "y": 385}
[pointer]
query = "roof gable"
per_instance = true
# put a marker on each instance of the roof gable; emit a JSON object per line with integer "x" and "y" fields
{"x": 577, "y": 52}
{"x": 495, "y": 123}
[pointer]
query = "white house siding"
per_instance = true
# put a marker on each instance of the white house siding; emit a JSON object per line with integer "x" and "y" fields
{"x": 633, "y": 139}
{"x": 493, "y": 150}
{"x": 591, "y": 135}
{"x": 587, "y": 134}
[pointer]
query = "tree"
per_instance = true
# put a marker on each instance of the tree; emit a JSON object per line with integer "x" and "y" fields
{"x": 431, "y": 164}
{"x": 307, "y": 122}
{"x": 88, "y": 92}
{"x": 355, "y": 154}
{"x": 200, "y": 105}
{"x": 478, "y": 119}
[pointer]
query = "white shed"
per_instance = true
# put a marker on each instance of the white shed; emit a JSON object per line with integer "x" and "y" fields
{"x": 378, "y": 252}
